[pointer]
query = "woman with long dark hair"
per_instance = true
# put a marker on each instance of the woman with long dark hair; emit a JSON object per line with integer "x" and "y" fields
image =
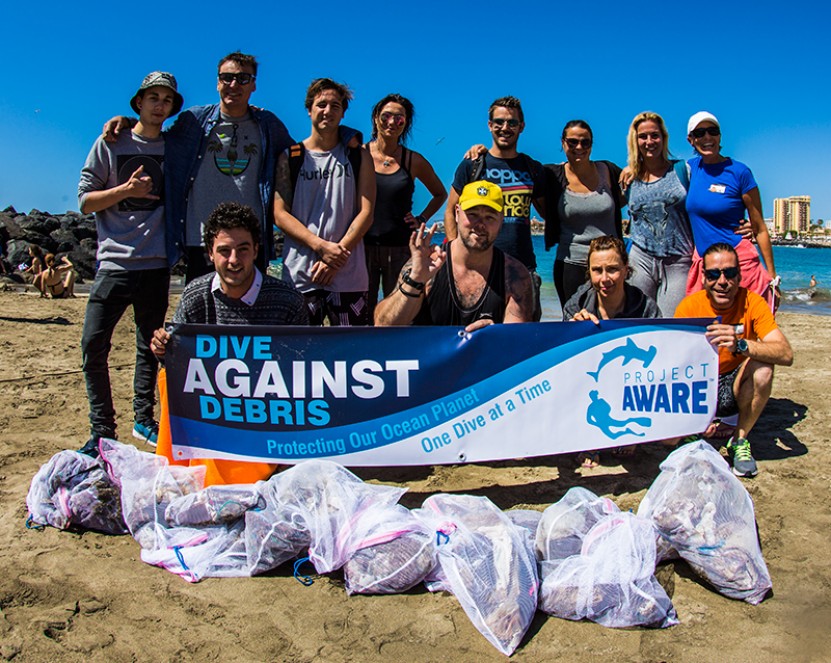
{"x": 396, "y": 170}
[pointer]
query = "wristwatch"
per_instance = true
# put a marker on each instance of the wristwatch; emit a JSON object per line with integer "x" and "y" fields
{"x": 741, "y": 346}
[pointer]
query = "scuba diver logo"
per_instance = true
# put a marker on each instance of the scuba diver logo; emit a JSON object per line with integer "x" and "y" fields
{"x": 599, "y": 412}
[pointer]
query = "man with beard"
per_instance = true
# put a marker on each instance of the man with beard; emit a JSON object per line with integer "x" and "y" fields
{"x": 749, "y": 345}
{"x": 521, "y": 179}
{"x": 470, "y": 282}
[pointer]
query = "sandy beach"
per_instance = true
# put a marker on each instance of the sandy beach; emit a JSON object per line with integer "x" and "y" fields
{"x": 88, "y": 597}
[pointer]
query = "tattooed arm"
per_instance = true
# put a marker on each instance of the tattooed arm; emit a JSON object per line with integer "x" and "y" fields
{"x": 519, "y": 306}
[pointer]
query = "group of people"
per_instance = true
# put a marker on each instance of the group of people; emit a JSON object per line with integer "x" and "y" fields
{"x": 210, "y": 189}
{"x": 54, "y": 278}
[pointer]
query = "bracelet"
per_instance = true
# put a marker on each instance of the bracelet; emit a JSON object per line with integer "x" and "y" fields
{"x": 405, "y": 276}
{"x": 414, "y": 295}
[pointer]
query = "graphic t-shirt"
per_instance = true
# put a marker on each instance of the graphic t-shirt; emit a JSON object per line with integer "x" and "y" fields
{"x": 748, "y": 310}
{"x": 522, "y": 182}
{"x": 658, "y": 215}
{"x": 714, "y": 201}
{"x": 228, "y": 172}
{"x": 326, "y": 202}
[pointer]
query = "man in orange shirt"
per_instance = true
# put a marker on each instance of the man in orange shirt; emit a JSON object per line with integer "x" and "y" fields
{"x": 749, "y": 344}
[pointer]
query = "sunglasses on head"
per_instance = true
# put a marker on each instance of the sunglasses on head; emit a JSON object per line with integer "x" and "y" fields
{"x": 242, "y": 79}
{"x": 398, "y": 119}
{"x": 578, "y": 142}
{"x": 500, "y": 121}
{"x": 730, "y": 273}
{"x": 699, "y": 133}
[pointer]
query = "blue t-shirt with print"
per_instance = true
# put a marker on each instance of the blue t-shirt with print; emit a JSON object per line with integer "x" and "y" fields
{"x": 521, "y": 181}
{"x": 714, "y": 201}
{"x": 658, "y": 216}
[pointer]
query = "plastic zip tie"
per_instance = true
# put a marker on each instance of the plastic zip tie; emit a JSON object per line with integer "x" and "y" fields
{"x": 31, "y": 524}
{"x": 306, "y": 581}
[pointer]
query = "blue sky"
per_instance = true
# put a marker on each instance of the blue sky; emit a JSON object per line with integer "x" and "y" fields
{"x": 761, "y": 67}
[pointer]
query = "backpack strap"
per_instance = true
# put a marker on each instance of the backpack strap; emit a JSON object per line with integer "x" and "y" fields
{"x": 296, "y": 154}
{"x": 477, "y": 169}
{"x": 354, "y": 156}
{"x": 682, "y": 170}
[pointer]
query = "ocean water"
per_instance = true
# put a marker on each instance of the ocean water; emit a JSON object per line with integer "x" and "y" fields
{"x": 795, "y": 266}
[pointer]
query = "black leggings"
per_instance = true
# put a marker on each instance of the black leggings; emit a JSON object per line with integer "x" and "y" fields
{"x": 567, "y": 279}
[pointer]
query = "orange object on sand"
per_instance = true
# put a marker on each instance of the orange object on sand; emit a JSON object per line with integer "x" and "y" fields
{"x": 218, "y": 471}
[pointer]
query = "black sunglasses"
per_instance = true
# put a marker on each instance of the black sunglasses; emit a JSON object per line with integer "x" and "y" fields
{"x": 730, "y": 273}
{"x": 499, "y": 121}
{"x": 699, "y": 133}
{"x": 578, "y": 142}
{"x": 242, "y": 79}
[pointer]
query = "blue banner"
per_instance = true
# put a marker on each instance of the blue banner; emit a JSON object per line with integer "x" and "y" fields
{"x": 435, "y": 395}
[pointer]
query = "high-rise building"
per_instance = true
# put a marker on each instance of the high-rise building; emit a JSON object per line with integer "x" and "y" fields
{"x": 792, "y": 215}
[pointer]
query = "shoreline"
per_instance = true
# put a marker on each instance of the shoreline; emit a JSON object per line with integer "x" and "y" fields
{"x": 86, "y": 596}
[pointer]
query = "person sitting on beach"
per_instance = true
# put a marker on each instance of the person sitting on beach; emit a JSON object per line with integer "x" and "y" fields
{"x": 122, "y": 183}
{"x": 237, "y": 293}
{"x": 57, "y": 280}
{"x": 749, "y": 345}
{"x": 606, "y": 296}
{"x": 31, "y": 273}
{"x": 471, "y": 282}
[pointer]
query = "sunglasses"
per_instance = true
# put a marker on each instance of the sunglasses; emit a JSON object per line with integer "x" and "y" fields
{"x": 501, "y": 121}
{"x": 730, "y": 273}
{"x": 699, "y": 133}
{"x": 398, "y": 119}
{"x": 578, "y": 142}
{"x": 654, "y": 135}
{"x": 242, "y": 79}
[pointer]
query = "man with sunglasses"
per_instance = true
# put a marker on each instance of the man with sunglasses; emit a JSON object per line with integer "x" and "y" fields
{"x": 521, "y": 179}
{"x": 749, "y": 344}
{"x": 218, "y": 153}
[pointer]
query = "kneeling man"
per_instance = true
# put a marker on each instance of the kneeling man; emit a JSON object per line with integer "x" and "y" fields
{"x": 749, "y": 344}
{"x": 237, "y": 293}
{"x": 472, "y": 282}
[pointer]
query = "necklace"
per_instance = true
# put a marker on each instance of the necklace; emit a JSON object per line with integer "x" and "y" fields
{"x": 387, "y": 158}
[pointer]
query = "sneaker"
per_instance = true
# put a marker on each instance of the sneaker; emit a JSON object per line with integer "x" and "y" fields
{"x": 91, "y": 447}
{"x": 743, "y": 463}
{"x": 148, "y": 432}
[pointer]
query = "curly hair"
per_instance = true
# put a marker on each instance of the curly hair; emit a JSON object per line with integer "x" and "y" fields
{"x": 227, "y": 216}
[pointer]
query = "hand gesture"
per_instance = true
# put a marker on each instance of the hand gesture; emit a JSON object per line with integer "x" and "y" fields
{"x": 139, "y": 185}
{"x": 426, "y": 257}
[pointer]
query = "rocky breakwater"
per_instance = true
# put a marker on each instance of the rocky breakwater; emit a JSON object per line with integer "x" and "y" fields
{"x": 72, "y": 234}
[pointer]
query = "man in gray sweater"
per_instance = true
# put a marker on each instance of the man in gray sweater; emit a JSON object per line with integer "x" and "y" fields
{"x": 122, "y": 183}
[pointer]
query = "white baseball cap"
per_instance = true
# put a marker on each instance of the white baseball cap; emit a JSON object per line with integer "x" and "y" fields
{"x": 698, "y": 118}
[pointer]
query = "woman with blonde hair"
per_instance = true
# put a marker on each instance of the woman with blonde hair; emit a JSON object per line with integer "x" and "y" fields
{"x": 662, "y": 240}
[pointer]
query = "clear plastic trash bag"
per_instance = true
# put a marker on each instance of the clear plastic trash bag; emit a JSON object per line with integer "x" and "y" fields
{"x": 395, "y": 553}
{"x": 611, "y": 579}
{"x": 72, "y": 488}
{"x": 702, "y": 512}
{"x": 484, "y": 561}
{"x": 214, "y": 505}
{"x": 565, "y": 523}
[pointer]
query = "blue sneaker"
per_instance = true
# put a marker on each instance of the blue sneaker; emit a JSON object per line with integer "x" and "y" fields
{"x": 147, "y": 432}
{"x": 744, "y": 464}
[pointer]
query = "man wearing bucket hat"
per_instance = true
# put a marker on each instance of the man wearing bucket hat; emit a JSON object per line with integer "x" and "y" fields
{"x": 123, "y": 184}
{"x": 470, "y": 282}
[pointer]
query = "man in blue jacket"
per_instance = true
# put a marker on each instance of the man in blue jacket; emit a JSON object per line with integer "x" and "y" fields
{"x": 222, "y": 152}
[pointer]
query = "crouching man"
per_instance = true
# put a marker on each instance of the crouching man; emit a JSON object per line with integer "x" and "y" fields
{"x": 749, "y": 344}
{"x": 237, "y": 293}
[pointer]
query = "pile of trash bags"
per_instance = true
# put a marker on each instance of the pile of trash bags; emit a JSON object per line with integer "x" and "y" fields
{"x": 582, "y": 558}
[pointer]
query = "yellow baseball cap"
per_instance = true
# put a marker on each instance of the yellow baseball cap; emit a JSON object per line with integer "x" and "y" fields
{"x": 481, "y": 193}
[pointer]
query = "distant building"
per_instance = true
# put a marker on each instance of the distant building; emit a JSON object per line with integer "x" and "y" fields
{"x": 792, "y": 215}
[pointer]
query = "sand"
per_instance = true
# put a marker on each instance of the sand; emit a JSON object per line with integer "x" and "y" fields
{"x": 88, "y": 597}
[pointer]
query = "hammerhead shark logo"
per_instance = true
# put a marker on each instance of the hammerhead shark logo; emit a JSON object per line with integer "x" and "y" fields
{"x": 628, "y": 352}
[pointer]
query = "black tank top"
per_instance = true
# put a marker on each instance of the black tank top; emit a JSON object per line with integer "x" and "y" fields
{"x": 442, "y": 306}
{"x": 393, "y": 201}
